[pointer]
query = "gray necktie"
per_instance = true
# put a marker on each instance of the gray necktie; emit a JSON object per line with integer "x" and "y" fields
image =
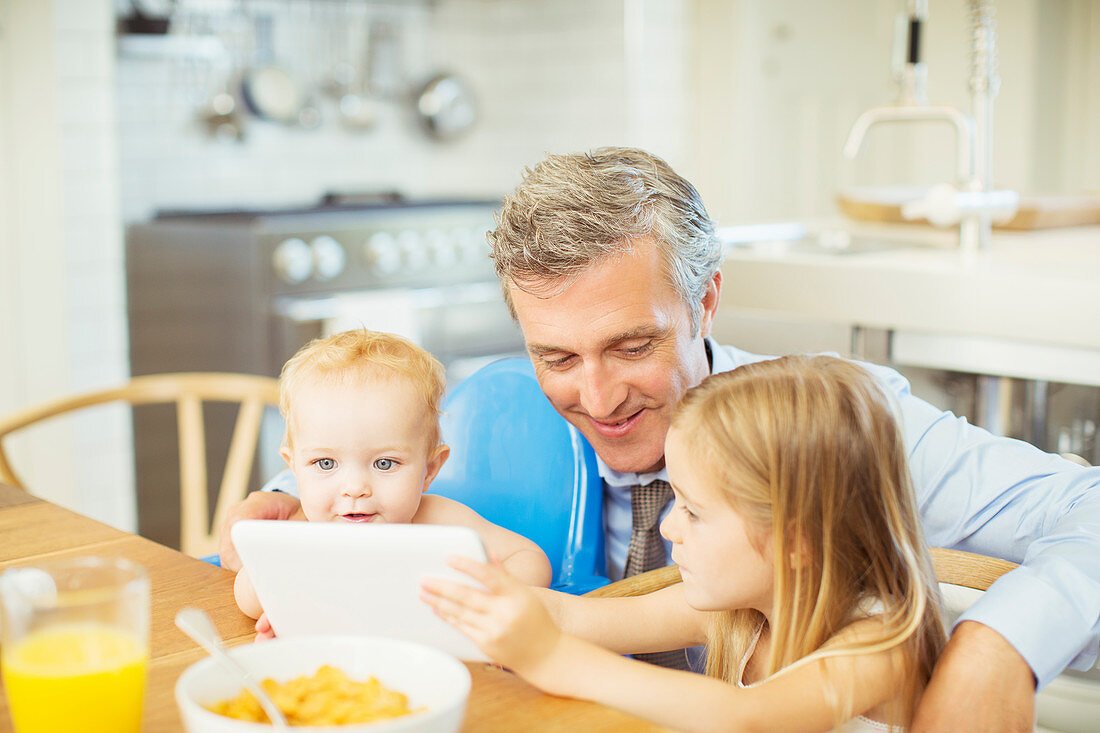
{"x": 647, "y": 552}
{"x": 647, "y": 549}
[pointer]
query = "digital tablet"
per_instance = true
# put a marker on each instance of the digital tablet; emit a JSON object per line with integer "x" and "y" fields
{"x": 325, "y": 578}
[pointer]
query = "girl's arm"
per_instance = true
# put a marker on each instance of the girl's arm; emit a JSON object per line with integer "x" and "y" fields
{"x": 520, "y": 556}
{"x": 790, "y": 701}
{"x": 654, "y": 622}
{"x": 511, "y": 626}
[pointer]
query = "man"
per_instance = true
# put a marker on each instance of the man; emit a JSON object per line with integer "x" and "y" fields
{"x": 609, "y": 263}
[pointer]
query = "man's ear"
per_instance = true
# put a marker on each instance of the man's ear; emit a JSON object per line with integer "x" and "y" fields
{"x": 710, "y": 304}
{"x": 435, "y": 462}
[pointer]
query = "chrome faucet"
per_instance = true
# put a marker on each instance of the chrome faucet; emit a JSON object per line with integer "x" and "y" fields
{"x": 971, "y": 202}
{"x": 965, "y": 133}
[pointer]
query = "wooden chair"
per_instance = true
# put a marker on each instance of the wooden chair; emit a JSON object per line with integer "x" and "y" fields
{"x": 952, "y": 566}
{"x": 188, "y": 390}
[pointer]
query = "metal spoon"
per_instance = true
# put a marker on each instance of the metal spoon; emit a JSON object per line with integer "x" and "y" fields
{"x": 195, "y": 623}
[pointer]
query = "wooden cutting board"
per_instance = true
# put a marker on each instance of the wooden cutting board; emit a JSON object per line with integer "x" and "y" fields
{"x": 1037, "y": 211}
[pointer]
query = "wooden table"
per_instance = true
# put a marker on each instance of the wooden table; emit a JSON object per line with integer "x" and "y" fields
{"x": 31, "y": 529}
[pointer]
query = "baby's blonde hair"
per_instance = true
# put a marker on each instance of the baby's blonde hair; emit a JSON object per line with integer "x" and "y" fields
{"x": 356, "y": 356}
{"x": 808, "y": 451}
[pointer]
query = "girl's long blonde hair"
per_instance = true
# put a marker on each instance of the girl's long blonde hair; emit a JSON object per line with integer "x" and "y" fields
{"x": 808, "y": 451}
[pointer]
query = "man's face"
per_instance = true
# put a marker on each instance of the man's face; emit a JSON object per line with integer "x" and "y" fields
{"x": 614, "y": 353}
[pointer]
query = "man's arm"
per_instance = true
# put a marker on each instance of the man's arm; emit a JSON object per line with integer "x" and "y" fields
{"x": 979, "y": 667}
{"x": 1005, "y": 498}
{"x": 257, "y": 505}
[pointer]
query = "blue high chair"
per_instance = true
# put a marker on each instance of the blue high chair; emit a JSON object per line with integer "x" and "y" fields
{"x": 515, "y": 461}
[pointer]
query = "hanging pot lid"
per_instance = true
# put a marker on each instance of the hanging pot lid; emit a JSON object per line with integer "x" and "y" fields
{"x": 446, "y": 106}
{"x": 272, "y": 94}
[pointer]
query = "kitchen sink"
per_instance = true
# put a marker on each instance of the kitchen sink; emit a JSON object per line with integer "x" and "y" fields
{"x": 778, "y": 240}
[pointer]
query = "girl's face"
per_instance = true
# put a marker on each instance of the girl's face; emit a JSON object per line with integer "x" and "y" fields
{"x": 722, "y": 570}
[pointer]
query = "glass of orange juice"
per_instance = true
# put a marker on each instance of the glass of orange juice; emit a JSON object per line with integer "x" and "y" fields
{"x": 75, "y": 643}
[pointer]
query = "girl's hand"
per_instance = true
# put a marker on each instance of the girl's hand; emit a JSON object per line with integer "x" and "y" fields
{"x": 506, "y": 620}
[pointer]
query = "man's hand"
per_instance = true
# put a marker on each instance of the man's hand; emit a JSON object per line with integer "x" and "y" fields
{"x": 981, "y": 683}
{"x": 257, "y": 505}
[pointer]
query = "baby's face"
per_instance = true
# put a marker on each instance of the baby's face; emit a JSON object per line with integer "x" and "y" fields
{"x": 360, "y": 452}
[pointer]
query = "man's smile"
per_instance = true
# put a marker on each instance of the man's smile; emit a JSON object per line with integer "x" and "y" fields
{"x": 617, "y": 429}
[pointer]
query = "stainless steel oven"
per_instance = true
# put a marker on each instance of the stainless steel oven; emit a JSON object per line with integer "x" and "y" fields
{"x": 241, "y": 291}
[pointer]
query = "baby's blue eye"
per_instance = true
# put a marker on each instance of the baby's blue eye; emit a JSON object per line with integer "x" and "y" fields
{"x": 384, "y": 464}
{"x": 325, "y": 464}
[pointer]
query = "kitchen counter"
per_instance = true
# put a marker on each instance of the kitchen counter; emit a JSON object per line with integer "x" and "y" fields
{"x": 1029, "y": 307}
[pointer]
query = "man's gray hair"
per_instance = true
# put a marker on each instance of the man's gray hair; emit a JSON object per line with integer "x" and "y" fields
{"x": 572, "y": 212}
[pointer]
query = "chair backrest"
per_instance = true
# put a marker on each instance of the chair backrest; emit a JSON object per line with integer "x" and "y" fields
{"x": 518, "y": 463}
{"x": 953, "y": 567}
{"x": 968, "y": 569}
{"x": 188, "y": 390}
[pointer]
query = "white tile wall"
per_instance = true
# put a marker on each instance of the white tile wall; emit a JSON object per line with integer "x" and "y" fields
{"x": 102, "y": 469}
{"x": 63, "y": 246}
{"x": 548, "y": 76}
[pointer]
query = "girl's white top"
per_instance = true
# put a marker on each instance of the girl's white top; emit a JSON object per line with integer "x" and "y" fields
{"x": 858, "y": 724}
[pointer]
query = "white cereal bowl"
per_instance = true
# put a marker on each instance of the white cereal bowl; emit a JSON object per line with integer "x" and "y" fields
{"x": 431, "y": 679}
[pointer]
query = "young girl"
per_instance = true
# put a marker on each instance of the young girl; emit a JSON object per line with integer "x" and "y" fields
{"x": 804, "y": 570}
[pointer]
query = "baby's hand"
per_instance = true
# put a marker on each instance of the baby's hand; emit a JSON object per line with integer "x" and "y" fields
{"x": 263, "y": 629}
{"x": 506, "y": 621}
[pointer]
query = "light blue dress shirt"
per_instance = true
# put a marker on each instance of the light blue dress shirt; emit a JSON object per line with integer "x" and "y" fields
{"x": 980, "y": 493}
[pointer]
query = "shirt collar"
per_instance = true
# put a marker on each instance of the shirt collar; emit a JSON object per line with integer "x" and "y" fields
{"x": 719, "y": 361}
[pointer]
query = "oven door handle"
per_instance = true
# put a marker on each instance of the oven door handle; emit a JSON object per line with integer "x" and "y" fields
{"x": 313, "y": 310}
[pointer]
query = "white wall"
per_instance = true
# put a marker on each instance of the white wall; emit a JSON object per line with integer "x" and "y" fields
{"x": 778, "y": 86}
{"x": 62, "y": 300}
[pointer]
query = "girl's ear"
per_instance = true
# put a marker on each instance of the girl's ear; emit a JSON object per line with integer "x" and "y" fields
{"x": 435, "y": 462}
{"x": 799, "y": 556}
{"x": 285, "y": 453}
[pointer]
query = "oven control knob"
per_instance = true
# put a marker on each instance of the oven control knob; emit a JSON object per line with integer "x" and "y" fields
{"x": 293, "y": 260}
{"x": 329, "y": 258}
{"x": 414, "y": 250}
{"x": 475, "y": 248}
{"x": 442, "y": 248}
{"x": 382, "y": 254}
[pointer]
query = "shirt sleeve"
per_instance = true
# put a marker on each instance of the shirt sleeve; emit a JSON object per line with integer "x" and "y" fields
{"x": 284, "y": 482}
{"x": 1005, "y": 498}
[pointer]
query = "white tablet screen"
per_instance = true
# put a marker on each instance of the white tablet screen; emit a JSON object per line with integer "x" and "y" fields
{"x": 324, "y": 578}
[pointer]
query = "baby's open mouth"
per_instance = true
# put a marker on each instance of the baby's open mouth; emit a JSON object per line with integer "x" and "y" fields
{"x": 357, "y": 517}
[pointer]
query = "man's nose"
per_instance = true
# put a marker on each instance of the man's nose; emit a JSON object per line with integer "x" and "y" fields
{"x": 601, "y": 392}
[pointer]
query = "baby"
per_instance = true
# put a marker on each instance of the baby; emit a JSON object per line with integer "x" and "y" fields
{"x": 363, "y": 441}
